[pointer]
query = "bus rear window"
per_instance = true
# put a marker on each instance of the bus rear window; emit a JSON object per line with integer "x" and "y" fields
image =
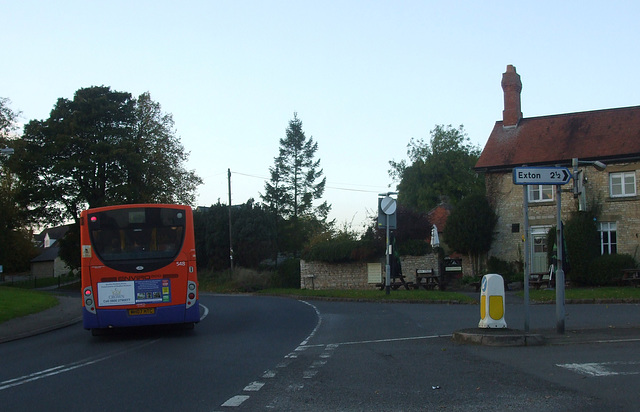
{"x": 137, "y": 234}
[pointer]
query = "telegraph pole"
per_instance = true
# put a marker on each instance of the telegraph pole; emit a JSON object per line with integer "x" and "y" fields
{"x": 230, "y": 236}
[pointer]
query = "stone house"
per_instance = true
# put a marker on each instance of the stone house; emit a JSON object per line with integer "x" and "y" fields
{"x": 610, "y": 136}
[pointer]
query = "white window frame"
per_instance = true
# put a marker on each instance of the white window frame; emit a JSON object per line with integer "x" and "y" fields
{"x": 608, "y": 243}
{"x": 541, "y": 190}
{"x": 622, "y": 184}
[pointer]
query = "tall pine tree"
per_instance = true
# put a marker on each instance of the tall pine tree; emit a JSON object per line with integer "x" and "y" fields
{"x": 296, "y": 182}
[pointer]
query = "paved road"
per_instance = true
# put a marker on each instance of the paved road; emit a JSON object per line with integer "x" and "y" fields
{"x": 168, "y": 370}
{"x": 262, "y": 353}
{"x": 400, "y": 357}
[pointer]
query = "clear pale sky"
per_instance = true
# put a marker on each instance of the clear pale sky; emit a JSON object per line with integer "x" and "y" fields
{"x": 364, "y": 76}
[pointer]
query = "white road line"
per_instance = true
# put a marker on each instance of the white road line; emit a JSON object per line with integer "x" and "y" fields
{"x": 206, "y": 312}
{"x": 313, "y": 332}
{"x": 235, "y": 401}
{"x": 254, "y": 387}
{"x": 601, "y": 369}
{"x": 333, "y": 346}
{"x": 269, "y": 374}
{"x": 309, "y": 374}
{"x": 67, "y": 367}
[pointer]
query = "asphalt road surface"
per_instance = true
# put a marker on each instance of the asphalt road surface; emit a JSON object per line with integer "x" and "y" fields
{"x": 277, "y": 354}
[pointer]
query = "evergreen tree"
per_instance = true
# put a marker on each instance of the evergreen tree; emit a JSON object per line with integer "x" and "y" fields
{"x": 296, "y": 182}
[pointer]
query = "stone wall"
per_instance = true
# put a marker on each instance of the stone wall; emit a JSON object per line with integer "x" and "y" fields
{"x": 320, "y": 275}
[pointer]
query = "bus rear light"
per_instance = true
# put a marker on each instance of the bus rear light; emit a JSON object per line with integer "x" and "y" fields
{"x": 88, "y": 300}
{"x": 191, "y": 293}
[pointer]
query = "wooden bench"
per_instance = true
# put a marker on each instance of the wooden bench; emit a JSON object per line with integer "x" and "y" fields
{"x": 631, "y": 277}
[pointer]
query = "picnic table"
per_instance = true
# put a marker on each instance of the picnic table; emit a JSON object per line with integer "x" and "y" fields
{"x": 396, "y": 282}
{"x": 631, "y": 277}
{"x": 426, "y": 278}
{"x": 539, "y": 279}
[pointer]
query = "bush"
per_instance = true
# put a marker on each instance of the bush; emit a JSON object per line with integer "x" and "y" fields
{"x": 287, "y": 275}
{"x": 510, "y": 271}
{"x": 248, "y": 280}
{"x": 607, "y": 269}
{"x": 332, "y": 251}
{"x": 414, "y": 247}
{"x": 583, "y": 245}
{"x": 342, "y": 250}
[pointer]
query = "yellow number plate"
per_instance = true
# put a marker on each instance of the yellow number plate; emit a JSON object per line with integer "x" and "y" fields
{"x": 142, "y": 311}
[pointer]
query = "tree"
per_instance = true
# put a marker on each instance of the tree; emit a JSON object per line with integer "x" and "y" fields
{"x": 16, "y": 248}
{"x": 443, "y": 167}
{"x": 470, "y": 227}
{"x": 296, "y": 182}
{"x": 252, "y": 234}
{"x": 159, "y": 174}
{"x": 103, "y": 147}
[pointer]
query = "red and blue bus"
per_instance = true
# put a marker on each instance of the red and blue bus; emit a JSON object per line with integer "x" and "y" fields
{"x": 138, "y": 266}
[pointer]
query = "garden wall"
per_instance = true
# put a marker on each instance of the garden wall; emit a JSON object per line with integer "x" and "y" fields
{"x": 360, "y": 275}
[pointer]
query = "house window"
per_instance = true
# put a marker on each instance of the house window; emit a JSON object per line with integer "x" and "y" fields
{"x": 608, "y": 238}
{"x": 540, "y": 193}
{"x": 622, "y": 184}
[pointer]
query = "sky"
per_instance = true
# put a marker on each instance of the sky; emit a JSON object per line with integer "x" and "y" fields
{"x": 364, "y": 77}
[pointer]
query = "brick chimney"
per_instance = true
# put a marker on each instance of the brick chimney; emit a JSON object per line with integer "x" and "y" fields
{"x": 512, "y": 86}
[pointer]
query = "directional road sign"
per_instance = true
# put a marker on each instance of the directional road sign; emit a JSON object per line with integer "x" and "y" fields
{"x": 541, "y": 175}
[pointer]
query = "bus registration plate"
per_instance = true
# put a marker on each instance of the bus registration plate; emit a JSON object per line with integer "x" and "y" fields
{"x": 142, "y": 311}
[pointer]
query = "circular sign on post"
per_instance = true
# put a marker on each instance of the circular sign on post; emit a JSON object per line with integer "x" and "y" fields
{"x": 388, "y": 205}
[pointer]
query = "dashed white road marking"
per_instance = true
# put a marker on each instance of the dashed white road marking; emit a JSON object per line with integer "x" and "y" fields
{"x": 308, "y": 374}
{"x": 235, "y": 401}
{"x": 254, "y": 386}
{"x": 69, "y": 367}
{"x": 269, "y": 374}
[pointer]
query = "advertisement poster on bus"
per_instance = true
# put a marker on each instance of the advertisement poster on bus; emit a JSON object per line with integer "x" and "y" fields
{"x": 134, "y": 292}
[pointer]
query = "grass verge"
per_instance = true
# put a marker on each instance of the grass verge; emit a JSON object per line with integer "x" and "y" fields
{"x": 621, "y": 294}
{"x": 15, "y": 302}
{"x": 424, "y": 296}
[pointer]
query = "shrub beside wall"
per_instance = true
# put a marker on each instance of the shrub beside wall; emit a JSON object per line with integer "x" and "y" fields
{"x": 607, "y": 269}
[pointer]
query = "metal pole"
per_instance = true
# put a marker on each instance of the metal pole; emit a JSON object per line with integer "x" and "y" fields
{"x": 559, "y": 271}
{"x": 527, "y": 269}
{"x": 388, "y": 267}
{"x": 230, "y": 236}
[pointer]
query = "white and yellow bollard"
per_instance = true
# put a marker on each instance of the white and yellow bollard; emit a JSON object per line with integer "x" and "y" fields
{"x": 492, "y": 302}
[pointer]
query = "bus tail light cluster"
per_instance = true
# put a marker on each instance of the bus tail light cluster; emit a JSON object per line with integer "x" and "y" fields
{"x": 192, "y": 293}
{"x": 89, "y": 301}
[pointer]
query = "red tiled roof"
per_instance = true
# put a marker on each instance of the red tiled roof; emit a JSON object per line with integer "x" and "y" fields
{"x": 602, "y": 134}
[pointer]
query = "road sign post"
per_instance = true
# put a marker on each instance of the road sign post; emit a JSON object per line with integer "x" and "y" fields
{"x": 387, "y": 205}
{"x": 557, "y": 176}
